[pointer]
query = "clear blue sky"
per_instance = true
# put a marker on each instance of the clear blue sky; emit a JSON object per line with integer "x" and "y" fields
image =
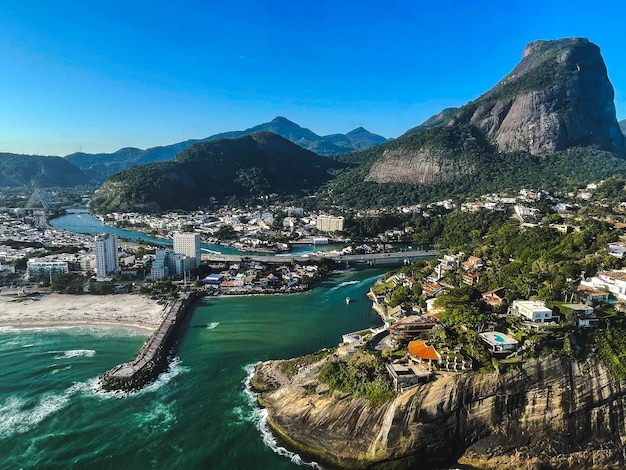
{"x": 98, "y": 76}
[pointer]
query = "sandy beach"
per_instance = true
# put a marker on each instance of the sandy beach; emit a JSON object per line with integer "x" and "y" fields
{"x": 49, "y": 310}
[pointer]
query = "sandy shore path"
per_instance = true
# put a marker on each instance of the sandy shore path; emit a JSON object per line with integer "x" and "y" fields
{"x": 48, "y": 310}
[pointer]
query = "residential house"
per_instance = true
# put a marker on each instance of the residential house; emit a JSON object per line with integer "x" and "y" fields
{"x": 531, "y": 310}
{"x": 473, "y": 262}
{"x": 471, "y": 278}
{"x": 584, "y": 314}
{"x": 423, "y": 354}
{"x": 613, "y": 281}
{"x": 589, "y": 294}
{"x": 407, "y": 328}
{"x": 431, "y": 289}
{"x": 499, "y": 342}
{"x": 494, "y": 298}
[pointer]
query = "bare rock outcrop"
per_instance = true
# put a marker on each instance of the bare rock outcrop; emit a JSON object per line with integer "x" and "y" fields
{"x": 551, "y": 413}
{"x": 419, "y": 166}
{"x": 558, "y": 96}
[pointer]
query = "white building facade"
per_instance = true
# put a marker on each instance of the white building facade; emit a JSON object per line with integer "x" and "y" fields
{"x": 328, "y": 223}
{"x": 189, "y": 244}
{"x": 106, "y": 254}
{"x": 531, "y": 310}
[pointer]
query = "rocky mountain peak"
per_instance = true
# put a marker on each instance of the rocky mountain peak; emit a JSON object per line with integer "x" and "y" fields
{"x": 559, "y": 96}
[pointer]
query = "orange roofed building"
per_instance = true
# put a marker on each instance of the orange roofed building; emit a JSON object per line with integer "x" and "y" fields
{"x": 421, "y": 352}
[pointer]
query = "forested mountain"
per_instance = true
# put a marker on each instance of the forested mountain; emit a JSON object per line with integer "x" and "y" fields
{"x": 26, "y": 170}
{"x": 622, "y": 126}
{"x": 245, "y": 168}
{"x": 100, "y": 166}
{"x": 550, "y": 123}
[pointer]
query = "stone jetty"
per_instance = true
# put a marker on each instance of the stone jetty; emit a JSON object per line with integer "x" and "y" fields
{"x": 153, "y": 358}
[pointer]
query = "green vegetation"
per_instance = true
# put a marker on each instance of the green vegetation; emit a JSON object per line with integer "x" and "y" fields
{"x": 290, "y": 367}
{"x": 161, "y": 288}
{"x": 70, "y": 283}
{"x": 612, "y": 348}
{"x": 101, "y": 288}
{"x": 27, "y": 170}
{"x": 362, "y": 375}
{"x": 492, "y": 172}
{"x": 237, "y": 170}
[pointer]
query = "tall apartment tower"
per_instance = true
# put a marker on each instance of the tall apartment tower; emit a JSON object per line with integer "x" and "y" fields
{"x": 328, "y": 223}
{"x": 106, "y": 254}
{"x": 187, "y": 243}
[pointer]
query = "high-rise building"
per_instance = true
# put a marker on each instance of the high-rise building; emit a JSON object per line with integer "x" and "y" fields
{"x": 328, "y": 223}
{"x": 188, "y": 243}
{"x": 106, "y": 254}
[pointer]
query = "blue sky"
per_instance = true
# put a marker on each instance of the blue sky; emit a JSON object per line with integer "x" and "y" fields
{"x": 99, "y": 76}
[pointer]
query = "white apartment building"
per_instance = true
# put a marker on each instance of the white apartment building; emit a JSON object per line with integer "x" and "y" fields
{"x": 328, "y": 223}
{"x": 532, "y": 310}
{"x": 106, "y": 254}
{"x": 188, "y": 243}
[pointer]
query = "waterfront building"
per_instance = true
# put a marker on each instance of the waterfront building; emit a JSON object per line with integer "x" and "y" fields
{"x": 39, "y": 269}
{"x": 189, "y": 244}
{"x": 106, "y": 254}
{"x": 327, "y": 223}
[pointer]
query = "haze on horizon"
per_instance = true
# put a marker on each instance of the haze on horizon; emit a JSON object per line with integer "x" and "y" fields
{"x": 141, "y": 74}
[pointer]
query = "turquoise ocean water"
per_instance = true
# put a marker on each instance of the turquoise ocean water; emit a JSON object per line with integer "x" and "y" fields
{"x": 198, "y": 415}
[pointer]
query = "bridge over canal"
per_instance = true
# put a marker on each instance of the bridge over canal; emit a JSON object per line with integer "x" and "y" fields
{"x": 373, "y": 260}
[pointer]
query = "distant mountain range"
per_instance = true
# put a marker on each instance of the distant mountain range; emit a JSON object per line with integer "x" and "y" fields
{"x": 550, "y": 123}
{"x": 100, "y": 166}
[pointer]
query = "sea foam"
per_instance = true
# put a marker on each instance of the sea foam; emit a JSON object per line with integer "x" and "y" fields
{"x": 76, "y": 353}
{"x": 259, "y": 418}
{"x": 18, "y": 417}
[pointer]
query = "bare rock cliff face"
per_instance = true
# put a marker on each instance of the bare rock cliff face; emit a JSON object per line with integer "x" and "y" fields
{"x": 557, "y": 97}
{"x": 553, "y": 413}
{"x": 420, "y": 166}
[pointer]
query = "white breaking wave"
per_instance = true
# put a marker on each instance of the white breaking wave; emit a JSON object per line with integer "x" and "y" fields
{"x": 259, "y": 418}
{"x": 343, "y": 284}
{"x": 211, "y": 326}
{"x": 17, "y": 417}
{"x": 76, "y": 353}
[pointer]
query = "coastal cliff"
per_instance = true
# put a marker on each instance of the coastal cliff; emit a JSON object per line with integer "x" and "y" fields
{"x": 551, "y": 413}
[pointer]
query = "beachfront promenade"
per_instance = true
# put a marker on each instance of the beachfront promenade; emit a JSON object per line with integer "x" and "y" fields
{"x": 372, "y": 260}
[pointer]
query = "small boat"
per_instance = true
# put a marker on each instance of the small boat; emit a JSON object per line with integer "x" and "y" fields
{"x": 348, "y": 300}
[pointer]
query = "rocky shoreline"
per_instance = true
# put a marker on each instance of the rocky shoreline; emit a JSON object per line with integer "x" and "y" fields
{"x": 551, "y": 413}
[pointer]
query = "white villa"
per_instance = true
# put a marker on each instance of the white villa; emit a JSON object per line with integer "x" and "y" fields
{"x": 532, "y": 310}
{"x": 613, "y": 281}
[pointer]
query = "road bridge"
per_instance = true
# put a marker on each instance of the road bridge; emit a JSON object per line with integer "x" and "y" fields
{"x": 371, "y": 260}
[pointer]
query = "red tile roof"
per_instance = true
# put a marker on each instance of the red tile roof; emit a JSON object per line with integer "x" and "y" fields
{"x": 420, "y": 349}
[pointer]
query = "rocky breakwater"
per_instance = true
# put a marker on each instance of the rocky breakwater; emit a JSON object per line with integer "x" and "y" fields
{"x": 153, "y": 358}
{"x": 551, "y": 413}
